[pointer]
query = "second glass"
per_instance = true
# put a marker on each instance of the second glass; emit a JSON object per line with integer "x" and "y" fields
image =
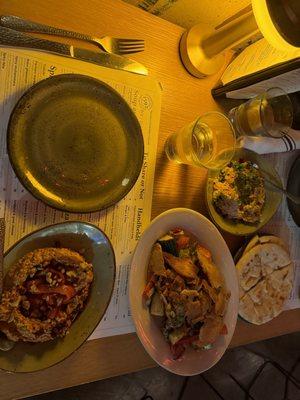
{"x": 268, "y": 114}
{"x": 208, "y": 142}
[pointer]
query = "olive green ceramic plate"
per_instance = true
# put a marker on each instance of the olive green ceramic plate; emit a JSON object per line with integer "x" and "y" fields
{"x": 78, "y": 236}
{"x": 75, "y": 143}
{"x": 293, "y": 186}
{"x": 273, "y": 197}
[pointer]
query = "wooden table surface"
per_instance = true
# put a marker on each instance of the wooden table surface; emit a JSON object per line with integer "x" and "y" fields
{"x": 184, "y": 98}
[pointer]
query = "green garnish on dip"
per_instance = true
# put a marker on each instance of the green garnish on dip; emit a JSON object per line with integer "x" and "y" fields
{"x": 239, "y": 193}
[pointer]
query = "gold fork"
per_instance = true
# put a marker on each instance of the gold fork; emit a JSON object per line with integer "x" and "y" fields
{"x": 107, "y": 43}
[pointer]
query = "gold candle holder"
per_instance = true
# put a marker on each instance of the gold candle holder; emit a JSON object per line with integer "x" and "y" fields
{"x": 202, "y": 48}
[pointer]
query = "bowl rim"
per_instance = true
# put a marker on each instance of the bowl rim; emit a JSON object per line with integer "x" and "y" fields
{"x": 234, "y": 311}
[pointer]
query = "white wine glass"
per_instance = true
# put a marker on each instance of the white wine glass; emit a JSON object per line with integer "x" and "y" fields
{"x": 269, "y": 114}
{"x": 208, "y": 142}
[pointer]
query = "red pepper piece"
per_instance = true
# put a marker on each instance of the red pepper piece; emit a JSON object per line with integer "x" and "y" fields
{"x": 53, "y": 313}
{"x": 37, "y": 287}
{"x": 182, "y": 242}
{"x": 147, "y": 291}
{"x": 177, "y": 350}
{"x": 188, "y": 340}
{"x": 224, "y": 330}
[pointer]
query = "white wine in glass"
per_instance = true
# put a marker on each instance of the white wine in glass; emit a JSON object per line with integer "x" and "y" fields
{"x": 208, "y": 142}
{"x": 269, "y": 114}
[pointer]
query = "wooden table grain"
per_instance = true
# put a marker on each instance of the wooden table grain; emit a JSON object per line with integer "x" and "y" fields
{"x": 184, "y": 98}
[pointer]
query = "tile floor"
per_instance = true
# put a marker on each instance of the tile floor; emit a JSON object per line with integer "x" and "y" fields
{"x": 228, "y": 380}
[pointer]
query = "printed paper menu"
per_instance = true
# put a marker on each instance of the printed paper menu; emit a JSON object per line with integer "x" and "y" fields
{"x": 124, "y": 222}
{"x": 283, "y": 225}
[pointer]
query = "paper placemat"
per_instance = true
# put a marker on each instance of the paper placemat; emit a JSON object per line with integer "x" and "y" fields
{"x": 283, "y": 225}
{"x": 124, "y": 222}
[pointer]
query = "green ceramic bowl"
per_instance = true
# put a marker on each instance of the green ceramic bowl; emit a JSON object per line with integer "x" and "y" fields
{"x": 29, "y": 357}
{"x": 273, "y": 197}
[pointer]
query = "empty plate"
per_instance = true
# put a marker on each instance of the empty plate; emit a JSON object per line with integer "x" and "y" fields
{"x": 75, "y": 143}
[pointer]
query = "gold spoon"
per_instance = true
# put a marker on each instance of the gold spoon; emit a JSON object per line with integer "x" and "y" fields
{"x": 268, "y": 178}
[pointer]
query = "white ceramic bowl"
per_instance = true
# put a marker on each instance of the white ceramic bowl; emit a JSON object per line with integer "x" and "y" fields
{"x": 193, "y": 362}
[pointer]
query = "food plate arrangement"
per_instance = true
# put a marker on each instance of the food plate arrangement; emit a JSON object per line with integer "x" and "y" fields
{"x": 57, "y": 287}
{"x": 186, "y": 291}
{"x": 211, "y": 274}
{"x": 75, "y": 143}
{"x": 266, "y": 274}
{"x": 239, "y": 200}
{"x": 44, "y": 292}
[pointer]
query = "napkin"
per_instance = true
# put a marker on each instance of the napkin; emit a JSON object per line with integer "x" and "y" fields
{"x": 264, "y": 145}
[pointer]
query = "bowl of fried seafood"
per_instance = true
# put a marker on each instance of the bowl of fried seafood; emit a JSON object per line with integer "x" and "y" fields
{"x": 183, "y": 292}
{"x": 239, "y": 197}
{"x": 57, "y": 286}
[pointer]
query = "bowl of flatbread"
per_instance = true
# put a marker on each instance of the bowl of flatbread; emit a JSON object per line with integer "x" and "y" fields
{"x": 266, "y": 274}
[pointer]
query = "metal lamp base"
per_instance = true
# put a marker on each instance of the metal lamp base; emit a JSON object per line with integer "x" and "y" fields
{"x": 193, "y": 56}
